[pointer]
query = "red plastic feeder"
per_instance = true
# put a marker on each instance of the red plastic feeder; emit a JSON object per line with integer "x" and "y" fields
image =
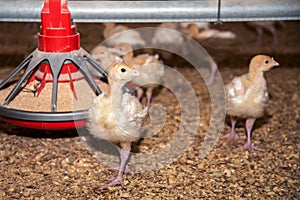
{"x": 57, "y": 35}
{"x": 58, "y": 58}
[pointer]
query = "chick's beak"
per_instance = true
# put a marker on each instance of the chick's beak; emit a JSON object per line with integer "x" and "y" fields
{"x": 274, "y": 63}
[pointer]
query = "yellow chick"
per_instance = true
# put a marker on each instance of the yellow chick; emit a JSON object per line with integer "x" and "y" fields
{"x": 247, "y": 95}
{"x": 116, "y": 116}
{"x": 150, "y": 68}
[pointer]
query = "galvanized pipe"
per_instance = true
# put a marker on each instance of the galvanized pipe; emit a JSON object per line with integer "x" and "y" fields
{"x": 158, "y": 11}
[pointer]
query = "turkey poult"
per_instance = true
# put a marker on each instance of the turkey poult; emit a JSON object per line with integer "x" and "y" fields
{"x": 149, "y": 66}
{"x": 247, "y": 95}
{"x": 103, "y": 55}
{"x": 116, "y": 116}
{"x": 201, "y": 31}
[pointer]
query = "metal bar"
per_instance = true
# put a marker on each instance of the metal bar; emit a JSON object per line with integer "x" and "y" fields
{"x": 158, "y": 11}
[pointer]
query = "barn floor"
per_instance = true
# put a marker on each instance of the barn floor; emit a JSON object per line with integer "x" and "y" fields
{"x": 39, "y": 164}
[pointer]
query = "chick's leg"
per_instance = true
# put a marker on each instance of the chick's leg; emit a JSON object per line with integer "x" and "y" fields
{"x": 213, "y": 70}
{"x": 124, "y": 154}
{"x": 149, "y": 97}
{"x": 139, "y": 93}
{"x": 127, "y": 171}
{"x": 259, "y": 32}
{"x": 249, "y": 125}
{"x": 232, "y": 135}
{"x": 272, "y": 30}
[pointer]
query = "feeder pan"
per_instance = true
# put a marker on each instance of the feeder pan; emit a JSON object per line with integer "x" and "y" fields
{"x": 58, "y": 58}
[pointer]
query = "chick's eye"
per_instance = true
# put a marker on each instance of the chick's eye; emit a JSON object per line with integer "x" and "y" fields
{"x": 266, "y": 62}
{"x": 123, "y": 70}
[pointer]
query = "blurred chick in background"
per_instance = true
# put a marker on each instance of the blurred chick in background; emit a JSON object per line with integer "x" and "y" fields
{"x": 104, "y": 56}
{"x": 150, "y": 68}
{"x": 260, "y": 27}
{"x": 115, "y": 34}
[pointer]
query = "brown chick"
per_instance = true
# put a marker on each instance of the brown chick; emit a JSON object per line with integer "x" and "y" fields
{"x": 193, "y": 31}
{"x": 200, "y": 25}
{"x": 125, "y": 50}
{"x": 247, "y": 95}
{"x": 150, "y": 68}
{"x": 200, "y": 34}
{"x": 116, "y": 116}
{"x": 102, "y": 54}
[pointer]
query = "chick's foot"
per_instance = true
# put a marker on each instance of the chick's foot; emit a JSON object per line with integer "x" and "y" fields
{"x": 250, "y": 147}
{"x": 115, "y": 181}
{"x": 231, "y": 135}
{"x": 124, "y": 154}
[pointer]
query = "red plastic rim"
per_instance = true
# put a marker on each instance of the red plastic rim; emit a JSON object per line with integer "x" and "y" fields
{"x": 44, "y": 120}
{"x": 47, "y": 125}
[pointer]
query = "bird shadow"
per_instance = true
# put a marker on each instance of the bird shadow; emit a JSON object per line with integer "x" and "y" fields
{"x": 96, "y": 144}
{"x": 135, "y": 147}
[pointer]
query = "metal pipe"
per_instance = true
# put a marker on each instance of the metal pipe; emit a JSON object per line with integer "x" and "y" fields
{"x": 158, "y": 11}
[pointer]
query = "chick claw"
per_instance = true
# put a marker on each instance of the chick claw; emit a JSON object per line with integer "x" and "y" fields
{"x": 230, "y": 135}
{"x": 251, "y": 147}
{"x": 117, "y": 181}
